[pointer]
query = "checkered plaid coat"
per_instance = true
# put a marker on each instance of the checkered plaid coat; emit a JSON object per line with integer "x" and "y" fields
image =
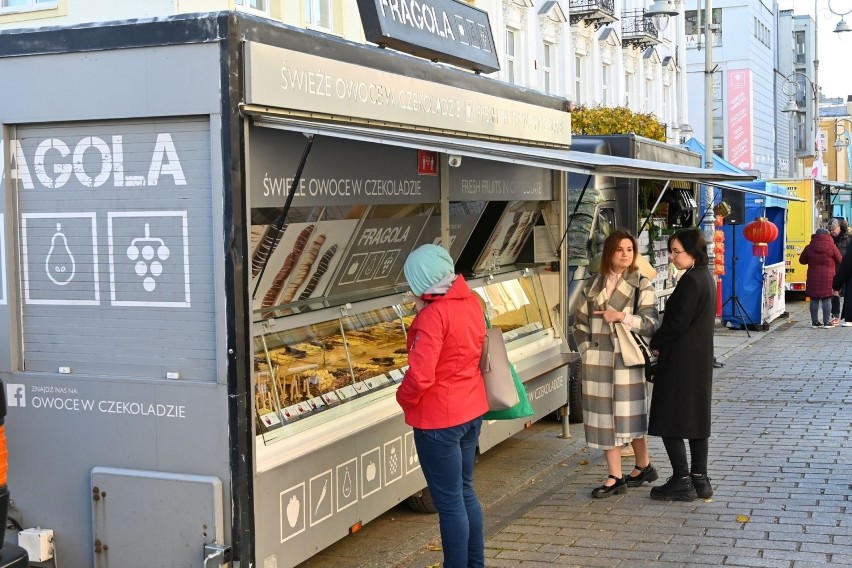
{"x": 615, "y": 401}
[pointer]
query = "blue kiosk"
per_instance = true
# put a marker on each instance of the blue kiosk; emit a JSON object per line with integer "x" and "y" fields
{"x": 759, "y": 285}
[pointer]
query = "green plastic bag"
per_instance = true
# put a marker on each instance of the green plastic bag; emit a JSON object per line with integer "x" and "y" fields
{"x": 520, "y": 410}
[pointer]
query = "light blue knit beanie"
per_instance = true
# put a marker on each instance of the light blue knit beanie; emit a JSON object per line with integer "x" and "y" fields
{"x": 426, "y": 266}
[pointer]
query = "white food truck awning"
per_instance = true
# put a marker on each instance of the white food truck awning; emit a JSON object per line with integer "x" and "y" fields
{"x": 732, "y": 187}
{"x": 550, "y": 158}
{"x": 837, "y": 185}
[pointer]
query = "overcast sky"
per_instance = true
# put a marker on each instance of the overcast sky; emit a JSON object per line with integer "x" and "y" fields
{"x": 835, "y": 78}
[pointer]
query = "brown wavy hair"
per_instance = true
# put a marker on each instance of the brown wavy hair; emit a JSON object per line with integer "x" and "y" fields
{"x": 611, "y": 244}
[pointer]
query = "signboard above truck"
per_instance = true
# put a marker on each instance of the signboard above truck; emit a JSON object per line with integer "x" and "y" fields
{"x": 439, "y": 30}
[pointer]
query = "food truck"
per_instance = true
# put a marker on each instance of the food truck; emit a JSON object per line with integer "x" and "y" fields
{"x": 203, "y": 231}
{"x": 803, "y": 219}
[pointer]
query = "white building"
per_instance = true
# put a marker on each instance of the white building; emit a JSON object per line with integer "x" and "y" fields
{"x": 756, "y": 47}
{"x": 593, "y": 52}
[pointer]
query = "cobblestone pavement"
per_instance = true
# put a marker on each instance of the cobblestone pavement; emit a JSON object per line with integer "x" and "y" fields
{"x": 780, "y": 458}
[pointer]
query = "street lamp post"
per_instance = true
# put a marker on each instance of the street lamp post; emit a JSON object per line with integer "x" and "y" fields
{"x": 793, "y": 107}
{"x": 842, "y": 26}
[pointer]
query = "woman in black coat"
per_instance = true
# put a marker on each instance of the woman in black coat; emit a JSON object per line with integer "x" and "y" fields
{"x": 680, "y": 405}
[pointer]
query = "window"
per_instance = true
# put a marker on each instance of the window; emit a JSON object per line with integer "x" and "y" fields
{"x": 800, "y": 47}
{"x": 761, "y": 32}
{"x": 694, "y": 23}
{"x": 628, "y": 89}
{"x": 801, "y": 91}
{"x": 547, "y": 65}
{"x": 579, "y": 78}
{"x": 318, "y": 14}
{"x": 259, "y": 5}
{"x": 511, "y": 41}
{"x": 26, "y": 5}
{"x": 649, "y": 95}
{"x": 801, "y": 143}
{"x": 606, "y": 80}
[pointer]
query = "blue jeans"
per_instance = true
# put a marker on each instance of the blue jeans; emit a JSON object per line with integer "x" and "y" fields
{"x": 825, "y": 304}
{"x": 447, "y": 456}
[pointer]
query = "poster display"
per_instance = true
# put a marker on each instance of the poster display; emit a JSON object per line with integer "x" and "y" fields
{"x": 772, "y": 296}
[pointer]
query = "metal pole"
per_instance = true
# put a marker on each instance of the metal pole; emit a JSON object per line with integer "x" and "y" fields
{"x": 817, "y": 149}
{"x": 709, "y": 227}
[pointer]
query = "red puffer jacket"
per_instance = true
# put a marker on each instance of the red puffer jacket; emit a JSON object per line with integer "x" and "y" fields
{"x": 443, "y": 386}
{"x": 822, "y": 257}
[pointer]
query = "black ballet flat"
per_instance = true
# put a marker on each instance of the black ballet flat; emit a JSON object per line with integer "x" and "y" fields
{"x": 604, "y": 491}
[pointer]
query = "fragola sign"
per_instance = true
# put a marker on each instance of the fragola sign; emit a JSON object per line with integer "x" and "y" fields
{"x": 439, "y": 30}
{"x": 92, "y": 161}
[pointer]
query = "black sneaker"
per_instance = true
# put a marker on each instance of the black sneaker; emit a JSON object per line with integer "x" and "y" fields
{"x": 675, "y": 489}
{"x": 702, "y": 486}
{"x": 648, "y": 474}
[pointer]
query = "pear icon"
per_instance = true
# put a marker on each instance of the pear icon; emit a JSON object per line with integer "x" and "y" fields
{"x": 59, "y": 264}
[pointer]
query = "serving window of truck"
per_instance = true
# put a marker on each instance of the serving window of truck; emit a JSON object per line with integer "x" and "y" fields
{"x": 329, "y": 300}
{"x": 201, "y": 370}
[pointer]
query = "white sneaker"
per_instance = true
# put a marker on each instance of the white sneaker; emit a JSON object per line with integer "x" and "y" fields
{"x": 847, "y": 324}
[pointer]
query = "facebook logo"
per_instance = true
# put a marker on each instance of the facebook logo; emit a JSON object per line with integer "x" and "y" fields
{"x": 16, "y": 395}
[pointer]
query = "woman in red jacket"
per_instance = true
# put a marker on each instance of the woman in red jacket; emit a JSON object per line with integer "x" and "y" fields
{"x": 822, "y": 257}
{"x": 443, "y": 397}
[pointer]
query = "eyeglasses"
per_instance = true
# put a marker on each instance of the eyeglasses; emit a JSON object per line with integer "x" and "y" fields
{"x": 676, "y": 252}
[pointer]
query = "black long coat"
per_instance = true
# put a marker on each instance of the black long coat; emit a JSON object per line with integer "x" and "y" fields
{"x": 680, "y": 404}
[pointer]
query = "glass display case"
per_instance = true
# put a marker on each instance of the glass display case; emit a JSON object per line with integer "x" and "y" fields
{"x": 314, "y": 367}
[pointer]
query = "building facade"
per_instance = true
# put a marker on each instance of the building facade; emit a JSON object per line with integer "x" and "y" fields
{"x": 745, "y": 106}
{"x": 593, "y": 52}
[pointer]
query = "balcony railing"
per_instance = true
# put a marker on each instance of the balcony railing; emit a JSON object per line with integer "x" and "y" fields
{"x": 637, "y": 30}
{"x": 591, "y": 12}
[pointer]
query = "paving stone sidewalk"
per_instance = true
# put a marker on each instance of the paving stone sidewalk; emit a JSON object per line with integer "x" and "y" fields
{"x": 780, "y": 458}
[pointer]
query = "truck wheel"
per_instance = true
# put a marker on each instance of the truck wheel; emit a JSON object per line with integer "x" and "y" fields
{"x": 421, "y": 502}
{"x": 575, "y": 394}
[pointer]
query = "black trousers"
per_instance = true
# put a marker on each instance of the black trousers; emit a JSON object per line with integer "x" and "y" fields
{"x": 676, "y": 449}
{"x": 845, "y": 293}
{"x": 847, "y": 302}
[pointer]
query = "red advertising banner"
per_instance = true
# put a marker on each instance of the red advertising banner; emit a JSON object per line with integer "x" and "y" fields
{"x": 740, "y": 128}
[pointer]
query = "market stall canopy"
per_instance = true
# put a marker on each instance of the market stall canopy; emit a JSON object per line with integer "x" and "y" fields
{"x": 758, "y": 187}
{"x": 753, "y": 190}
{"x": 550, "y": 158}
{"x": 719, "y": 163}
{"x": 837, "y": 185}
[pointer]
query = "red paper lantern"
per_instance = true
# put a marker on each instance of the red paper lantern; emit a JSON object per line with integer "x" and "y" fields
{"x": 719, "y": 265}
{"x": 760, "y": 233}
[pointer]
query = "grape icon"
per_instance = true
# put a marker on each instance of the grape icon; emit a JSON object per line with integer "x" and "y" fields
{"x": 143, "y": 250}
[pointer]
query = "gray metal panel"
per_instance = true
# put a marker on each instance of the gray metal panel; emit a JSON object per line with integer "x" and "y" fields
{"x": 114, "y": 243}
{"x": 546, "y": 393}
{"x": 137, "y": 521}
{"x": 123, "y": 83}
{"x": 65, "y": 426}
{"x": 295, "y": 516}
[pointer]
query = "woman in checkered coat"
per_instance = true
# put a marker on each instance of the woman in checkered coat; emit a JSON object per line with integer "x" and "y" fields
{"x": 615, "y": 401}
